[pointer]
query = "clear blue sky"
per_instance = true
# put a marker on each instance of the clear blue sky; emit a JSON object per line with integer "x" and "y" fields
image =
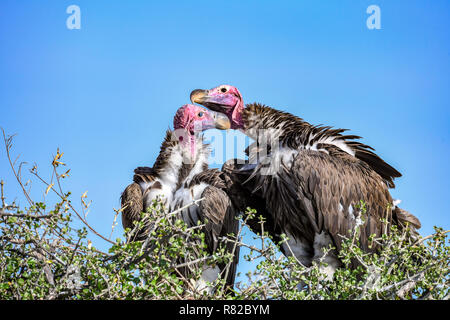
{"x": 105, "y": 94}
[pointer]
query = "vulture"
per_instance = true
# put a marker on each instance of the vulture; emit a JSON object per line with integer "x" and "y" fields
{"x": 307, "y": 181}
{"x": 179, "y": 176}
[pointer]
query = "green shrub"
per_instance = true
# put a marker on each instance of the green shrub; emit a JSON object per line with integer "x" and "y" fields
{"x": 43, "y": 256}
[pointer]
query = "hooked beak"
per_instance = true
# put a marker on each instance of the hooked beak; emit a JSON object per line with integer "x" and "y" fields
{"x": 215, "y": 120}
{"x": 221, "y": 121}
{"x": 199, "y": 96}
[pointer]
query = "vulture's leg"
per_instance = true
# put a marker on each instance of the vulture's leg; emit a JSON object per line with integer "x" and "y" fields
{"x": 322, "y": 242}
{"x": 301, "y": 250}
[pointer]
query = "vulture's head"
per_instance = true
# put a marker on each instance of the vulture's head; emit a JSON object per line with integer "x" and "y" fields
{"x": 190, "y": 120}
{"x": 225, "y": 99}
{"x": 195, "y": 119}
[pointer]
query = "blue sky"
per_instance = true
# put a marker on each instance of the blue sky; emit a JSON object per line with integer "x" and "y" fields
{"x": 105, "y": 94}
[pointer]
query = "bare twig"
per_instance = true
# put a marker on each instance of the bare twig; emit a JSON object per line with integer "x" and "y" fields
{"x": 8, "y": 145}
{"x": 23, "y": 215}
{"x": 2, "y": 183}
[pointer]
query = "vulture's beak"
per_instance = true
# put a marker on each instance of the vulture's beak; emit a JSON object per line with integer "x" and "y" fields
{"x": 199, "y": 96}
{"x": 221, "y": 121}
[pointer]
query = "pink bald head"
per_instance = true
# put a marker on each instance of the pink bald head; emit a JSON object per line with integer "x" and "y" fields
{"x": 225, "y": 99}
{"x": 195, "y": 118}
{"x": 191, "y": 119}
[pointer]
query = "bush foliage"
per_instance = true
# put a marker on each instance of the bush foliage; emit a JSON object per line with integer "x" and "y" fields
{"x": 43, "y": 256}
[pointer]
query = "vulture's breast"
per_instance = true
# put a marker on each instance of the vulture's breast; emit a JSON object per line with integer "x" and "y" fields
{"x": 156, "y": 190}
{"x": 184, "y": 196}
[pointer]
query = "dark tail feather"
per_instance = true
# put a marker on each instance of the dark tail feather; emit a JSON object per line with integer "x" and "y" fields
{"x": 405, "y": 217}
{"x": 386, "y": 171}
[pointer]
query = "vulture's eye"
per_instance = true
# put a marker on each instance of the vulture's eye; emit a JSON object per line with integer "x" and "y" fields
{"x": 200, "y": 114}
{"x": 223, "y": 90}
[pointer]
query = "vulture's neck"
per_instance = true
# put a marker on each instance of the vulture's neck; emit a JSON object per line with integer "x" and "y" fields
{"x": 284, "y": 130}
{"x": 177, "y": 161}
{"x": 270, "y": 126}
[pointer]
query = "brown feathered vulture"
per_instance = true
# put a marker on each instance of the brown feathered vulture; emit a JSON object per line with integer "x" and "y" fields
{"x": 307, "y": 181}
{"x": 179, "y": 176}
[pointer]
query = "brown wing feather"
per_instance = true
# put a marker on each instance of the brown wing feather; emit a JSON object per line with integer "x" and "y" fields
{"x": 132, "y": 204}
{"x": 218, "y": 210}
{"x": 338, "y": 187}
{"x": 132, "y": 200}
